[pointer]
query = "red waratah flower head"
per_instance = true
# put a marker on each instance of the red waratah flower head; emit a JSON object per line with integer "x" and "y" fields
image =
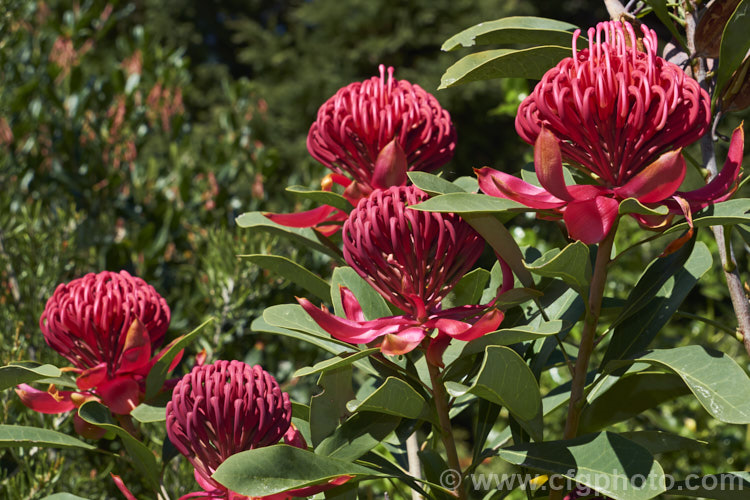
{"x": 620, "y": 117}
{"x": 224, "y": 408}
{"x": 413, "y": 259}
{"x": 107, "y": 325}
{"x": 370, "y": 134}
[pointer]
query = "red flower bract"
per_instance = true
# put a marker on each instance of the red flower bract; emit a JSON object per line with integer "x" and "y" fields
{"x": 87, "y": 320}
{"x": 413, "y": 259}
{"x": 620, "y": 116}
{"x": 356, "y": 124}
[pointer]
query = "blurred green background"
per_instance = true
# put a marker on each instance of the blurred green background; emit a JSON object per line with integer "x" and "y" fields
{"x": 133, "y": 133}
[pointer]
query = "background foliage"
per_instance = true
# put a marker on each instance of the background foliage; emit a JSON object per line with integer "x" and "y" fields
{"x": 133, "y": 133}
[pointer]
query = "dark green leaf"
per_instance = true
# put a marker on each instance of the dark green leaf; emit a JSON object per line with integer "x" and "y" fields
{"x": 143, "y": 459}
{"x": 735, "y": 45}
{"x": 158, "y": 374}
{"x": 273, "y": 469}
{"x": 664, "y": 442}
{"x": 660, "y": 9}
{"x": 341, "y": 360}
{"x": 468, "y": 290}
{"x": 633, "y": 206}
{"x": 606, "y": 462}
{"x": 394, "y": 397}
{"x": 25, "y": 437}
{"x": 509, "y": 336}
{"x": 328, "y": 408}
{"x": 357, "y": 435}
{"x": 305, "y": 236}
{"x": 485, "y": 417}
{"x": 726, "y": 486}
{"x": 373, "y": 304}
{"x": 571, "y": 264}
{"x": 293, "y": 272}
{"x": 529, "y": 63}
{"x": 514, "y": 30}
{"x": 468, "y": 203}
{"x": 24, "y": 373}
{"x": 636, "y": 331}
{"x": 322, "y": 197}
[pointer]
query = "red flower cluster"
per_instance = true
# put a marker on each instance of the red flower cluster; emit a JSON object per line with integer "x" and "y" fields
{"x": 370, "y": 134}
{"x": 413, "y": 259}
{"x": 108, "y": 326}
{"x": 620, "y": 116}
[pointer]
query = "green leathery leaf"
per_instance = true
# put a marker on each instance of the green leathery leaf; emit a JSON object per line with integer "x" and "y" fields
{"x": 373, "y": 304}
{"x": 529, "y": 63}
{"x": 468, "y": 290}
{"x": 292, "y": 272}
{"x": 715, "y": 379}
{"x": 734, "y": 45}
{"x": 328, "y": 408}
{"x": 606, "y": 461}
{"x": 322, "y": 197}
{"x": 356, "y": 436}
{"x": 342, "y": 359}
{"x": 273, "y": 469}
{"x": 571, "y": 264}
{"x": 664, "y": 442}
{"x": 393, "y": 397}
{"x": 23, "y": 436}
{"x": 433, "y": 184}
{"x": 26, "y": 372}
{"x": 724, "y": 486}
{"x": 514, "y": 30}
{"x": 468, "y": 203}
{"x": 143, "y": 459}
{"x": 146, "y": 413}
{"x": 721, "y": 214}
{"x": 633, "y": 206}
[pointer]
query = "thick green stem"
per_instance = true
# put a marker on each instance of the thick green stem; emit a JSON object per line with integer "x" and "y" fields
{"x": 446, "y": 434}
{"x": 591, "y": 321}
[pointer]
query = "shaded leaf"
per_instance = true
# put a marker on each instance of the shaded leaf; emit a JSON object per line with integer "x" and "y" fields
{"x": 726, "y": 486}
{"x": 394, "y": 397}
{"x": 24, "y": 373}
{"x": 468, "y": 290}
{"x": 357, "y": 435}
{"x": 529, "y": 63}
{"x": 661, "y": 11}
{"x": 525, "y": 30}
{"x": 322, "y": 197}
{"x": 664, "y": 442}
{"x": 721, "y": 214}
{"x": 633, "y": 206}
{"x": 735, "y": 45}
{"x": 341, "y": 360}
{"x": 328, "y": 408}
{"x": 571, "y": 264}
{"x": 711, "y": 26}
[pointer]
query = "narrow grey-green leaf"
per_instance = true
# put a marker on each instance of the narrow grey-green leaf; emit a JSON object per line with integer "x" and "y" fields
{"x": 273, "y": 469}
{"x": 571, "y": 264}
{"x": 606, "y": 462}
{"x": 719, "y": 384}
{"x": 342, "y": 359}
{"x": 524, "y": 30}
{"x": 25, "y": 437}
{"x": 322, "y": 197}
{"x": 24, "y": 373}
{"x": 735, "y": 45}
{"x": 292, "y": 272}
{"x": 303, "y": 235}
{"x": 529, "y": 63}
{"x": 142, "y": 458}
{"x": 160, "y": 370}
{"x": 433, "y": 184}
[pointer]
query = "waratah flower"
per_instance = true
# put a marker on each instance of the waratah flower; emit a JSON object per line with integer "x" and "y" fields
{"x": 371, "y": 133}
{"x": 224, "y": 408}
{"x": 108, "y": 326}
{"x": 413, "y": 259}
{"x": 620, "y": 117}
